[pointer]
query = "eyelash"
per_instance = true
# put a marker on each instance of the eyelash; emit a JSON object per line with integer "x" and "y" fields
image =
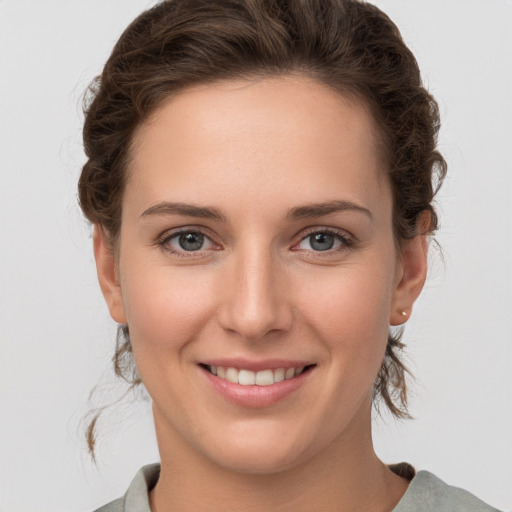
{"x": 163, "y": 242}
{"x": 346, "y": 241}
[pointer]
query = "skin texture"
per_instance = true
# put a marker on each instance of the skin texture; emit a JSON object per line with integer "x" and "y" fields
{"x": 257, "y": 289}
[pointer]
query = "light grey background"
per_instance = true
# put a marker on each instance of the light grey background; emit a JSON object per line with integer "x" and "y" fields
{"x": 57, "y": 338}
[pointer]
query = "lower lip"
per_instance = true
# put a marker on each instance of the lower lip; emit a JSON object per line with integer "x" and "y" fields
{"x": 256, "y": 396}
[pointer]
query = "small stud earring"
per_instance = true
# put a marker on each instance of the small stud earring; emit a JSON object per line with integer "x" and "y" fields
{"x": 404, "y": 313}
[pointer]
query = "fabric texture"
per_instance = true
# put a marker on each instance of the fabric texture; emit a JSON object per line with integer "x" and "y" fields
{"x": 426, "y": 493}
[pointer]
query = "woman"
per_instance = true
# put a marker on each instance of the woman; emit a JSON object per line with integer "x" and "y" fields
{"x": 260, "y": 176}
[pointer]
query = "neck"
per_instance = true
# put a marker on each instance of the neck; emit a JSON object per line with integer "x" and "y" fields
{"x": 338, "y": 479}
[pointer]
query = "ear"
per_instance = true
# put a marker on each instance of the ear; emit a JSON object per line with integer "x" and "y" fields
{"x": 411, "y": 272}
{"x": 108, "y": 278}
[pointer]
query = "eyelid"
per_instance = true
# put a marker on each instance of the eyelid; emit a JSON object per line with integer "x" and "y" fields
{"x": 348, "y": 240}
{"x": 163, "y": 239}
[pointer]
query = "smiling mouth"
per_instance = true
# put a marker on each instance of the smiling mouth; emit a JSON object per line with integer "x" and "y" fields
{"x": 260, "y": 378}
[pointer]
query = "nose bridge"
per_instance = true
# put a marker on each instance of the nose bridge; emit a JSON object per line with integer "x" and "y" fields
{"x": 254, "y": 303}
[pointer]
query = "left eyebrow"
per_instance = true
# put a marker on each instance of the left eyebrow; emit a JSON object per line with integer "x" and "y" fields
{"x": 188, "y": 210}
{"x": 320, "y": 209}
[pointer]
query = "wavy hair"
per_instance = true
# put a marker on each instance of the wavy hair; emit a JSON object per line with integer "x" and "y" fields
{"x": 348, "y": 45}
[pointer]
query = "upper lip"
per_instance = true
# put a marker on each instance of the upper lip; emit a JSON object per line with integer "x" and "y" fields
{"x": 254, "y": 365}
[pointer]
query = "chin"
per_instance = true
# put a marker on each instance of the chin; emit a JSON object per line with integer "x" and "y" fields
{"x": 255, "y": 462}
{"x": 257, "y": 453}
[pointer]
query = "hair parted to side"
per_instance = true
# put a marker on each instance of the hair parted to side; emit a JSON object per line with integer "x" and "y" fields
{"x": 348, "y": 45}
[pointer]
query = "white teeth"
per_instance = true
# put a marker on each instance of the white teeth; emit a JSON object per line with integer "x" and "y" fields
{"x": 250, "y": 378}
{"x": 279, "y": 375}
{"x": 264, "y": 378}
{"x": 289, "y": 373}
{"x": 246, "y": 378}
{"x": 232, "y": 375}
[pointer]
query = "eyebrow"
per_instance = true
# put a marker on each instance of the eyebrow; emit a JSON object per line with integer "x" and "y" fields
{"x": 298, "y": 213}
{"x": 316, "y": 210}
{"x": 189, "y": 210}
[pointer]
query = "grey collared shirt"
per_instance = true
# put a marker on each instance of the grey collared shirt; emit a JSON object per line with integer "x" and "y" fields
{"x": 426, "y": 493}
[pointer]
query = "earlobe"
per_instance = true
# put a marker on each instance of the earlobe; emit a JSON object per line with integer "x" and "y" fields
{"x": 108, "y": 278}
{"x": 413, "y": 263}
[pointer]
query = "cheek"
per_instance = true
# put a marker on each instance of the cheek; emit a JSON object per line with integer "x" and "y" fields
{"x": 166, "y": 308}
{"x": 349, "y": 312}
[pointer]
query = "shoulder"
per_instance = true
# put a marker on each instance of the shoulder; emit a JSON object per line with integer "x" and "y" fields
{"x": 113, "y": 506}
{"x": 136, "y": 498}
{"x": 428, "y": 493}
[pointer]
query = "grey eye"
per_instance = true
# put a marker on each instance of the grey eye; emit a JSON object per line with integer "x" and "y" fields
{"x": 191, "y": 241}
{"x": 321, "y": 241}
{"x": 187, "y": 242}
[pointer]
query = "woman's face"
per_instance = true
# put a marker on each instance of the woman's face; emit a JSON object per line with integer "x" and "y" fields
{"x": 257, "y": 243}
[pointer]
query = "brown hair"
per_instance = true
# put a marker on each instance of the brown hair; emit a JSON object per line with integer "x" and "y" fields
{"x": 349, "y": 45}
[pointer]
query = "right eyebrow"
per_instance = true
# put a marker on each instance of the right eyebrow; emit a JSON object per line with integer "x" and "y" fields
{"x": 316, "y": 210}
{"x": 188, "y": 210}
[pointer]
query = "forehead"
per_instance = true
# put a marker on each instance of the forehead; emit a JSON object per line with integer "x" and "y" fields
{"x": 269, "y": 136}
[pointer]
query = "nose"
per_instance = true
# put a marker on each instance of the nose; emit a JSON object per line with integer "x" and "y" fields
{"x": 255, "y": 296}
